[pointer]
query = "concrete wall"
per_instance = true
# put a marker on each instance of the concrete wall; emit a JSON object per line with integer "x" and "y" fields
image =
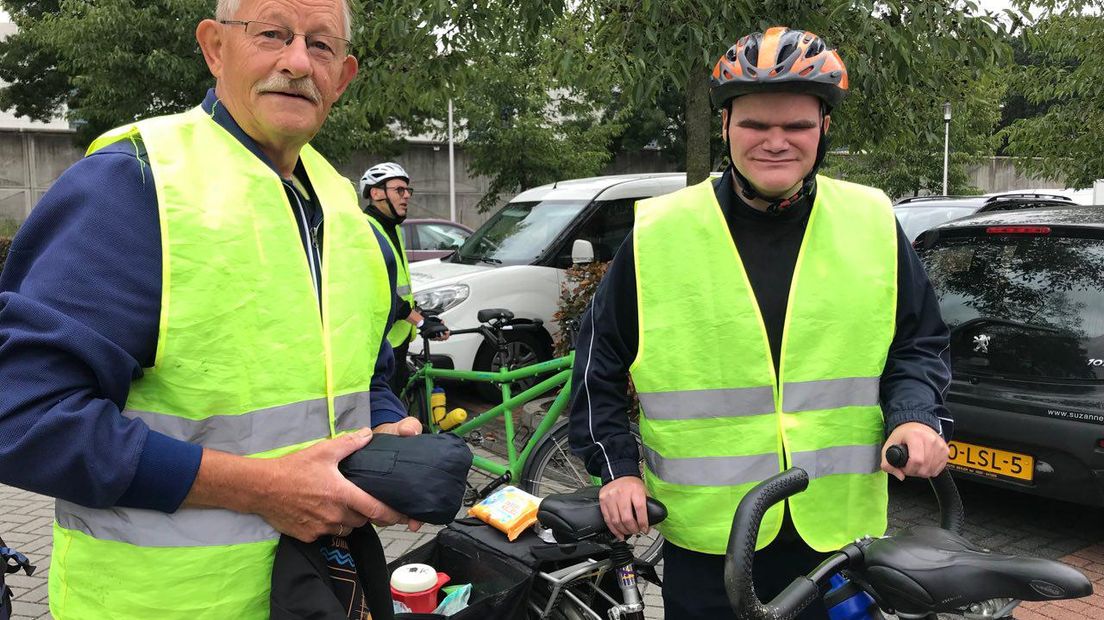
{"x": 999, "y": 174}
{"x": 30, "y": 161}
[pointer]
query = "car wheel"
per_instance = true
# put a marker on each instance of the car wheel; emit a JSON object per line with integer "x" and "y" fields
{"x": 523, "y": 348}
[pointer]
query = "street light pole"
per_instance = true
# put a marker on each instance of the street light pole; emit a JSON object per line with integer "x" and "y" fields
{"x": 946, "y": 142}
{"x": 452, "y": 167}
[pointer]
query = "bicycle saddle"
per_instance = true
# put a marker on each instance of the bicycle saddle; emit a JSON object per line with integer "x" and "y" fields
{"x": 576, "y": 516}
{"x": 930, "y": 570}
{"x": 487, "y": 315}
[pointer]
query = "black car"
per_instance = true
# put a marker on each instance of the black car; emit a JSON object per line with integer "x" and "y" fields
{"x": 1023, "y": 295}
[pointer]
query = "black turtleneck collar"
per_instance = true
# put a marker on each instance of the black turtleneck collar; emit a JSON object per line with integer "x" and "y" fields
{"x": 381, "y": 217}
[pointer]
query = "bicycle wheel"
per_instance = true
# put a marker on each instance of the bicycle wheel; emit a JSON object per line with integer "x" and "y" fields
{"x": 552, "y": 468}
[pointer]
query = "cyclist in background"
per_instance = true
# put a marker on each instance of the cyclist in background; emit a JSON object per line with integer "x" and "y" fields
{"x": 388, "y": 190}
{"x": 768, "y": 319}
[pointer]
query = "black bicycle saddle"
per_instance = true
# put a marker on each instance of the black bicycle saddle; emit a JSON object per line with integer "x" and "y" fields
{"x": 930, "y": 570}
{"x": 576, "y": 516}
{"x": 487, "y": 315}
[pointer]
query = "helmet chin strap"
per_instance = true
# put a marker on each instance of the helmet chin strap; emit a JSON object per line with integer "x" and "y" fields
{"x": 392, "y": 215}
{"x": 399, "y": 219}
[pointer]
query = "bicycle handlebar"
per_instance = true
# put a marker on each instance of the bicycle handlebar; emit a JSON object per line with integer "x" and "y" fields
{"x": 741, "y": 550}
{"x": 952, "y": 516}
{"x": 804, "y": 589}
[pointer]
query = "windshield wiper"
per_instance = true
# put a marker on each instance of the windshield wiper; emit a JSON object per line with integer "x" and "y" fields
{"x": 489, "y": 260}
{"x": 982, "y": 320}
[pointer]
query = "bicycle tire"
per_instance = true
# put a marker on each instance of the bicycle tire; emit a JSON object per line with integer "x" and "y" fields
{"x": 552, "y": 468}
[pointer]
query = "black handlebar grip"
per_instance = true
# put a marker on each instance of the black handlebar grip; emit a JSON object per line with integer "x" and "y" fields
{"x": 952, "y": 515}
{"x": 897, "y": 455}
{"x": 745, "y": 532}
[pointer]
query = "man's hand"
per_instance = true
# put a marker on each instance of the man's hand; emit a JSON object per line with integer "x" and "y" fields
{"x": 407, "y": 427}
{"x": 624, "y": 506}
{"x": 302, "y": 494}
{"x": 434, "y": 329}
{"x": 927, "y": 451}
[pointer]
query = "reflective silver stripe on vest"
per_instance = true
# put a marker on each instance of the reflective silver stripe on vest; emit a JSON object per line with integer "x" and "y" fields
{"x": 264, "y": 429}
{"x": 830, "y": 394}
{"x": 694, "y": 404}
{"x": 839, "y": 460}
{"x": 712, "y": 471}
{"x": 719, "y": 471}
{"x": 352, "y": 411}
{"x": 402, "y": 291}
{"x": 187, "y": 527}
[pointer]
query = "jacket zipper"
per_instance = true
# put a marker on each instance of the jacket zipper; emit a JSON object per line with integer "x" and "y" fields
{"x": 312, "y": 247}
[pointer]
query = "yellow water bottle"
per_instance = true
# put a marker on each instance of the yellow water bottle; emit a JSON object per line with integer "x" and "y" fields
{"x": 445, "y": 421}
{"x": 454, "y": 418}
{"x": 437, "y": 405}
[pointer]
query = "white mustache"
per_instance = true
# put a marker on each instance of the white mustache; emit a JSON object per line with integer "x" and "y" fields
{"x": 303, "y": 87}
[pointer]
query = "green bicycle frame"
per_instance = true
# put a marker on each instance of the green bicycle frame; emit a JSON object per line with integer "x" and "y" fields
{"x": 561, "y": 366}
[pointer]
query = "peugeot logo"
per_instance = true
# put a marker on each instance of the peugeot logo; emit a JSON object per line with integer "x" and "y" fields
{"x": 981, "y": 343}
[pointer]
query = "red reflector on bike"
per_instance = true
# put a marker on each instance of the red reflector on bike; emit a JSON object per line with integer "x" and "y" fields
{"x": 1018, "y": 230}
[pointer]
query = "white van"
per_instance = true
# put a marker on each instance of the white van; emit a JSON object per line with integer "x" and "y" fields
{"x": 516, "y": 260}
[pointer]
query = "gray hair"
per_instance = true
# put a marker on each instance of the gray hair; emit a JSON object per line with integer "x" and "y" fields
{"x": 225, "y": 9}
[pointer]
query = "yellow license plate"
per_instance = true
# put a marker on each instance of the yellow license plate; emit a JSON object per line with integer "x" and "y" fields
{"x": 991, "y": 462}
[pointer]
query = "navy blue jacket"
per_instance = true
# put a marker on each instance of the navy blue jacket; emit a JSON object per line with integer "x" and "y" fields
{"x": 80, "y": 299}
{"x": 913, "y": 384}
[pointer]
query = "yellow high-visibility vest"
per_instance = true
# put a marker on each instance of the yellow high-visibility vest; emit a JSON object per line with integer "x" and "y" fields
{"x": 715, "y": 419}
{"x": 245, "y": 364}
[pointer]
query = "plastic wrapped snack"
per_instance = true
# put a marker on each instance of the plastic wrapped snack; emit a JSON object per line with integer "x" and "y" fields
{"x": 508, "y": 509}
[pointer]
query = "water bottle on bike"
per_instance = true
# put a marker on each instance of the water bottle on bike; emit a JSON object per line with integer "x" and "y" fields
{"x": 445, "y": 420}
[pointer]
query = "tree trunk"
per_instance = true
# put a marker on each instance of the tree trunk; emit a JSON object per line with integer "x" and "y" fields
{"x": 699, "y": 115}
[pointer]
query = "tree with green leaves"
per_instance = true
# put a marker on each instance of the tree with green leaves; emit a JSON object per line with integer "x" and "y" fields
{"x": 522, "y": 122}
{"x": 1066, "y": 81}
{"x": 894, "y": 50}
{"x": 911, "y": 163}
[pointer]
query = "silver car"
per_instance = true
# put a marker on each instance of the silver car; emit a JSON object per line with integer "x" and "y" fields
{"x": 924, "y": 212}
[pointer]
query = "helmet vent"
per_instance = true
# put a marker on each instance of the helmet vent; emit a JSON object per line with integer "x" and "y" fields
{"x": 751, "y": 53}
{"x": 806, "y": 71}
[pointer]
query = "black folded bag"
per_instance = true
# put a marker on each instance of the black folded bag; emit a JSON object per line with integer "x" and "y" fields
{"x": 423, "y": 477}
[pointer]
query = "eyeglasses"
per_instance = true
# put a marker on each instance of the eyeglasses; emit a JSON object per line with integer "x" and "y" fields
{"x": 273, "y": 37}
{"x": 409, "y": 191}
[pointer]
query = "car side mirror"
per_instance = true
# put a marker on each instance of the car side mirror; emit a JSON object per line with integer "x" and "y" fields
{"x": 582, "y": 252}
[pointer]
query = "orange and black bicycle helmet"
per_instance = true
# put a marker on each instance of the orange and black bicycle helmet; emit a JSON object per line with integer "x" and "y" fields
{"x": 779, "y": 60}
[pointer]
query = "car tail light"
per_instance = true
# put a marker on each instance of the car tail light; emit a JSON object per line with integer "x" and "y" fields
{"x": 1100, "y": 443}
{"x": 1018, "y": 230}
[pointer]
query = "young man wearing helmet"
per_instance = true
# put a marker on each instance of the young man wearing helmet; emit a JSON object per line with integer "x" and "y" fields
{"x": 388, "y": 190}
{"x": 769, "y": 319}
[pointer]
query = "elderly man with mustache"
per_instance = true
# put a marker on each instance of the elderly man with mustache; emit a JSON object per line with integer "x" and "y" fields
{"x": 192, "y": 330}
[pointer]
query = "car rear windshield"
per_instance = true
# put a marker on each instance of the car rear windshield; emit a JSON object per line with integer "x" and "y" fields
{"x": 1022, "y": 305}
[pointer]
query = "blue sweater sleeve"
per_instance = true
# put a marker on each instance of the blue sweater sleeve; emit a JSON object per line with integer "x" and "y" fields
{"x": 79, "y": 306}
{"x": 386, "y": 406}
{"x": 918, "y": 368}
